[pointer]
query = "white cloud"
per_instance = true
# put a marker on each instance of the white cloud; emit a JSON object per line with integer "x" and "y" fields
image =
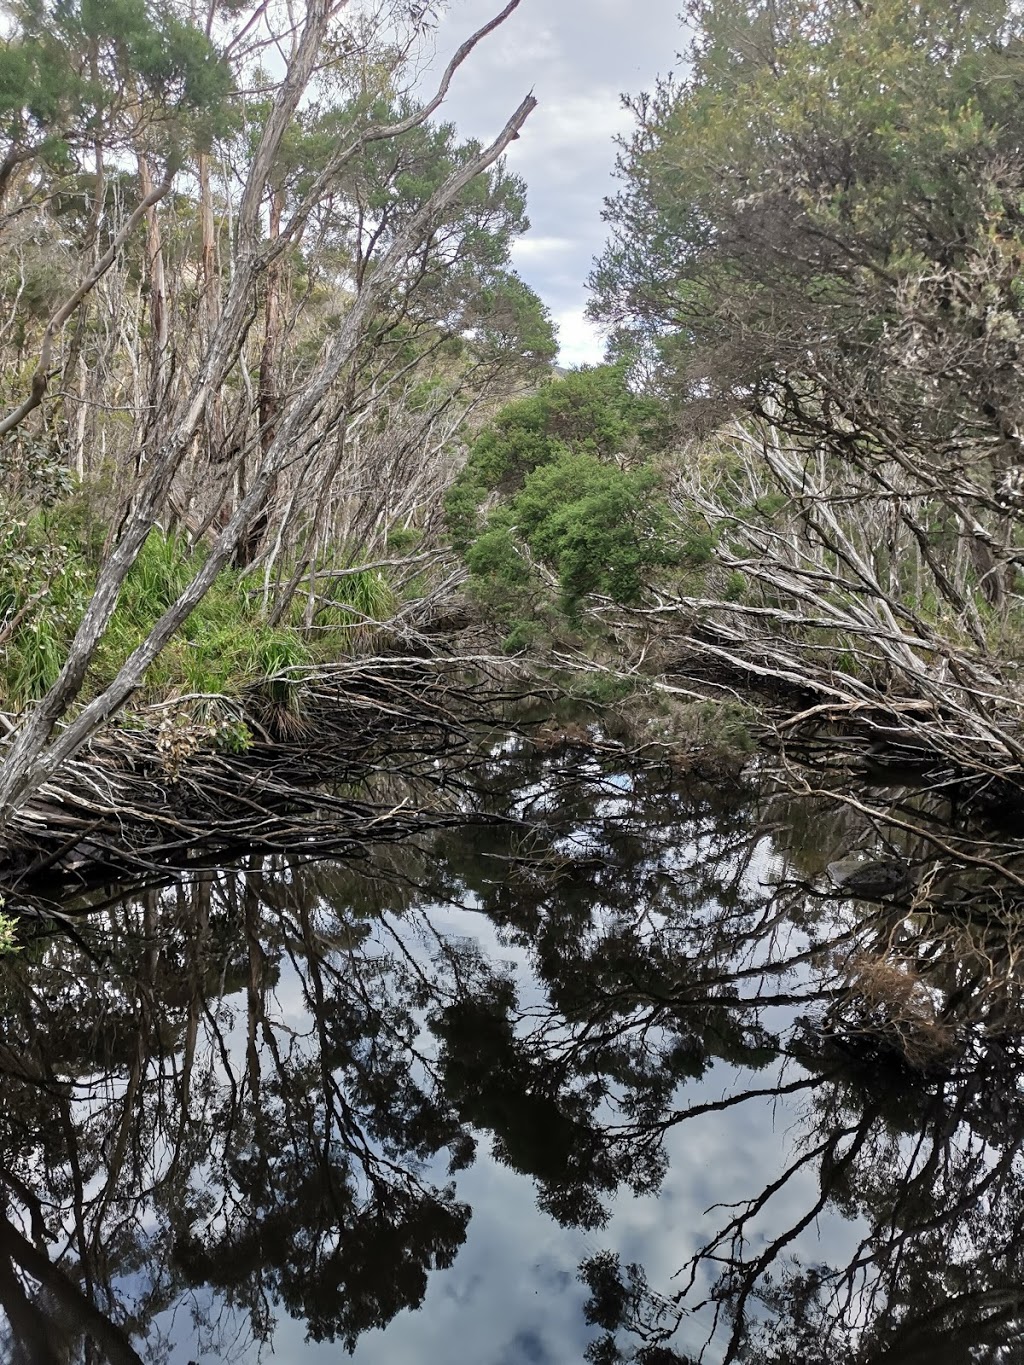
{"x": 534, "y": 248}
{"x": 584, "y": 122}
{"x": 576, "y": 56}
{"x": 580, "y": 342}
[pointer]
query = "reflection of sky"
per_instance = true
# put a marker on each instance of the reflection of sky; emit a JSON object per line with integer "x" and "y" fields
{"x": 512, "y": 1296}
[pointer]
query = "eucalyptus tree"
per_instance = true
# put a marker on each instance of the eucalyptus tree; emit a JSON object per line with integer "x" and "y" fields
{"x": 201, "y": 340}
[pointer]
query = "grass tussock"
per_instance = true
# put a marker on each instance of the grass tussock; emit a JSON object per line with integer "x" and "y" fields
{"x": 225, "y": 656}
{"x": 349, "y": 605}
{"x": 897, "y": 1006}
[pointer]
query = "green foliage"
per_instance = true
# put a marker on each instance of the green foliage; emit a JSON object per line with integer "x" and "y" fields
{"x": 588, "y": 411}
{"x": 44, "y": 586}
{"x": 464, "y": 283}
{"x": 69, "y": 70}
{"x": 723, "y": 725}
{"x": 350, "y": 603}
{"x": 811, "y": 159}
{"x": 159, "y": 575}
{"x": 820, "y": 230}
{"x": 599, "y": 527}
{"x": 497, "y": 555}
{"x": 735, "y": 587}
{"x": 505, "y": 317}
{"x": 223, "y": 647}
{"x": 34, "y": 467}
{"x": 8, "y": 933}
{"x": 404, "y": 540}
{"x": 524, "y": 633}
{"x": 562, "y": 484}
{"x": 601, "y": 689}
{"x": 33, "y": 663}
{"x": 221, "y": 651}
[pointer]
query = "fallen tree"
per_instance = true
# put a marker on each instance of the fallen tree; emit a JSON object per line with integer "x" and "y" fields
{"x": 367, "y": 751}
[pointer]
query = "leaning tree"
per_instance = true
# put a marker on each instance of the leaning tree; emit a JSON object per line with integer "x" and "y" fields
{"x": 127, "y": 112}
{"x": 816, "y": 251}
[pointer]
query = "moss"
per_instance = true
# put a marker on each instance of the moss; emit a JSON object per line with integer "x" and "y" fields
{"x": 601, "y": 689}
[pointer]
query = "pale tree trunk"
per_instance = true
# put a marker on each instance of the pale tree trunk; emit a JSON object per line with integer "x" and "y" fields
{"x": 40, "y": 380}
{"x": 268, "y": 396}
{"x": 76, "y": 371}
{"x": 32, "y": 758}
{"x": 158, "y": 304}
{"x": 211, "y": 303}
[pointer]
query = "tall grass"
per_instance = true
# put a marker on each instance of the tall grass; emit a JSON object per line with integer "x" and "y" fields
{"x": 45, "y": 580}
{"x": 351, "y": 604}
{"x": 223, "y": 650}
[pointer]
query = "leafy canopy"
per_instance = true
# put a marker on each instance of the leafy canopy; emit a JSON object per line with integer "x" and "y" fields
{"x": 813, "y": 160}
{"x": 74, "y": 73}
{"x": 560, "y": 479}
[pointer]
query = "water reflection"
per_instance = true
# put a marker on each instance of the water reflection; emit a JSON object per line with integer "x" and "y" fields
{"x": 267, "y": 1096}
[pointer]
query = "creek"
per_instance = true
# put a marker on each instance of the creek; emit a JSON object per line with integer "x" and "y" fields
{"x": 614, "y": 1072}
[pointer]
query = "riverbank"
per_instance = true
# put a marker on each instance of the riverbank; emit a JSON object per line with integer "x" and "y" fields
{"x": 252, "y": 735}
{"x": 322, "y": 758}
{"x": 326, "y": 754}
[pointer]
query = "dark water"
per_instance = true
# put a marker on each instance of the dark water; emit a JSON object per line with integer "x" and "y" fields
{"x": 617, "y": 1076}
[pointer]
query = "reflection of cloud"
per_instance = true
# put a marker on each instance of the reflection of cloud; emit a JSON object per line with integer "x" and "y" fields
{"x": 721, "y": 1159}
{"x": 525, "y": 1348}
{"x": 512, "y": 1296}
{"x": 557, "y": 1281}
{"x": 461, "y": 1290}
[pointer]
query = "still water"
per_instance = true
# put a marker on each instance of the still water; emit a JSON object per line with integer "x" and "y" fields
{"x": 614, "y": 1073}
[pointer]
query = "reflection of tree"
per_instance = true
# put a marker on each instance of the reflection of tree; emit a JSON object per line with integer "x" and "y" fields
{"x": 330, "y": 1221}
{"x": 912, "y": 1122}
{"x": 238, "y": 1093}
{"x": 902, "y": 1032}
{"x": 168, "y": 1126}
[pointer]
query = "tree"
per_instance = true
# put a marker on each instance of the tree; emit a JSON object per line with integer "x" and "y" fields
{"x": 188, "y": 385}
{"x": 819, "y": 241}
{"x": 562, "y": 489}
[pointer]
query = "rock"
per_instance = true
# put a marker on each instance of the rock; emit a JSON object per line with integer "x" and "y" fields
{"x": 866, "y": 876}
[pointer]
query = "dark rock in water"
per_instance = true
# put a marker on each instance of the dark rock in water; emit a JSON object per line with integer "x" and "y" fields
{"x": 860, "y": 876}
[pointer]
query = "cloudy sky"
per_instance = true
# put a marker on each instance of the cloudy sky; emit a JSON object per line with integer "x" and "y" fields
{"x": 577, "y": 56}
